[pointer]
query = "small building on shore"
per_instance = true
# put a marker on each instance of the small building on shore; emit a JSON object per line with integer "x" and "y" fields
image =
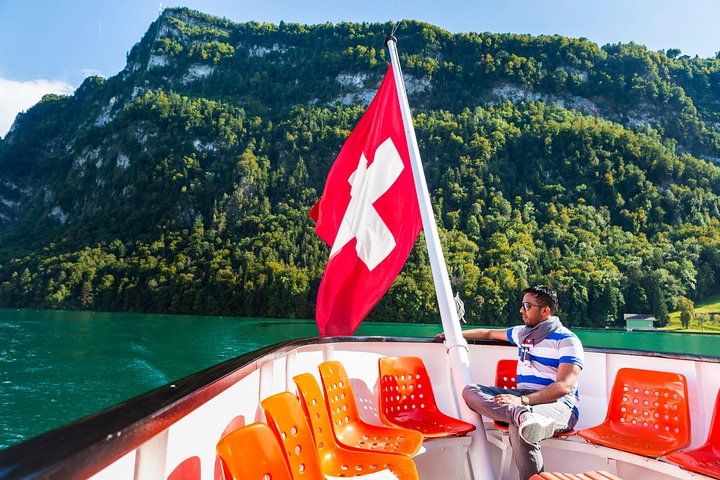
{"x": 639, "y": 321}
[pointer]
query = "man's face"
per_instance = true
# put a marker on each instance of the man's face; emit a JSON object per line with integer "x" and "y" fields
{"x": 535, "y": 311}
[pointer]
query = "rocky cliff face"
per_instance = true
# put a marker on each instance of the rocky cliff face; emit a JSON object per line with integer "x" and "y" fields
{"x": 268, "y": 70}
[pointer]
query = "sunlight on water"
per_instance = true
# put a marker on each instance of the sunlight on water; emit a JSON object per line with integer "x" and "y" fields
{"x": 58, "y": 366}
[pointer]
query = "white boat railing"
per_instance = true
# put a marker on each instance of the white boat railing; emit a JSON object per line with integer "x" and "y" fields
{"x": 176, "y": 427}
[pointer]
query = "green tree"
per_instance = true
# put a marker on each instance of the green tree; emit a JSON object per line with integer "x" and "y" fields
{"x": 687, "y": 311}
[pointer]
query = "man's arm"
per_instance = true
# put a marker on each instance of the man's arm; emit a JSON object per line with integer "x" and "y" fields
{"x": 481, "y": 334}
{"x": 567, "y": 375}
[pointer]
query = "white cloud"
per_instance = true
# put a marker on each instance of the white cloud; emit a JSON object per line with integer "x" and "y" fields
{"x": 17, "y": 96}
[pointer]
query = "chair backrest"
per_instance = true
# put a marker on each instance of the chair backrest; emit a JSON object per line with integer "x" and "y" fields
{"x": 506, "y": 373}
{"x": 650, "y": 403}
{"x": 593, "y": 475}
{"x": 714, "y": 433}
{"x": 313, "y": 404}
{"x": 405, "y": 388}
{"x": 252, "y": 452}
{"x": 339, "y": 394}
{"x": 339, "y": 461}
{"x": 287, "y": 419}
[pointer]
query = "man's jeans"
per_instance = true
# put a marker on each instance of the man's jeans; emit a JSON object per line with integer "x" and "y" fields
{"x": 528, "y": 457}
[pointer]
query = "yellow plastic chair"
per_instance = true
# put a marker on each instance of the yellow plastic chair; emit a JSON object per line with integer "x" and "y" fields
{"x": 350, "y": 430}
{"x": 407, "y": 400}
{"x": 253, "y": 453}
{"x": 311, "y": 449}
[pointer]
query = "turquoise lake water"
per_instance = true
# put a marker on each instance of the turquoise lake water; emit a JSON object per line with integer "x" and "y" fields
{"x": 58, "y": 366}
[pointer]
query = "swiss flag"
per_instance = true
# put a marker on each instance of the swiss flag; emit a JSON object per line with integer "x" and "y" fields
{"x": 368, "y": 214}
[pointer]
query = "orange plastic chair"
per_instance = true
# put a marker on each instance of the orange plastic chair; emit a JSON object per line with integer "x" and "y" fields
{"x": 506, "y": 377}
{"x": 506, "y": 373}
{"x": 285, "y": 412}
{"x": 407, "y": 400}
{"x": 594, "y": 475}
{"x": 648, "y": 414}
{"x": 706, "y": 458}
{"x": 350, "y": 430}
{"x": 253, "y": 453}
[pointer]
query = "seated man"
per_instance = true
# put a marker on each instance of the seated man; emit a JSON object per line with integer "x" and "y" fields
{"x": 546, "y": 399}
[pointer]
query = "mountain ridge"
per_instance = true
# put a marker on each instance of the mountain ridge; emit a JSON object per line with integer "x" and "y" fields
{"x": 217, "y": 136}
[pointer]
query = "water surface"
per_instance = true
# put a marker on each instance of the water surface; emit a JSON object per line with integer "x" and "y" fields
{"x": 58, "y": 366}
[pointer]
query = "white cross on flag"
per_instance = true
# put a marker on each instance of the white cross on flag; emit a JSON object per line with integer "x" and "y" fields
{"x": 368, "y": 214}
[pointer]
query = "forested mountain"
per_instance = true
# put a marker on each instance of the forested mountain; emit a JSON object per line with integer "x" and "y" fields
{"x": 183, "y": 183}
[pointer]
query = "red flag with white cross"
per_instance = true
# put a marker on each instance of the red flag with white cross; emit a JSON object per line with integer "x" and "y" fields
{"x": 368, "y": 214}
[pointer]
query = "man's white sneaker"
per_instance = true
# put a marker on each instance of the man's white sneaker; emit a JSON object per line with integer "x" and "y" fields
{"x": 536, "y": 427}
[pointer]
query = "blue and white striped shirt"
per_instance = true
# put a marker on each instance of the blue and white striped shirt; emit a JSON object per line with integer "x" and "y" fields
{"x": 541, "y": 364}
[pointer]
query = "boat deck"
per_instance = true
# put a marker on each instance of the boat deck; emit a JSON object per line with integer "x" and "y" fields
{"x": 172, "y": 431}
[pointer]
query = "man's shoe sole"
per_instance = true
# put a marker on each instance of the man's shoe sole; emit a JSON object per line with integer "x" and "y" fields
{"x": 537, "y": 428}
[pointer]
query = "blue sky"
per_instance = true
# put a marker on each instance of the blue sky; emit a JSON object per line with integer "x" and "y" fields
{"x": 52, "y": 45}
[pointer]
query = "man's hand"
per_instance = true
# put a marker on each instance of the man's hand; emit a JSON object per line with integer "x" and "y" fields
{"x": 440, "y": 336}
{"x": 507, "y": 399}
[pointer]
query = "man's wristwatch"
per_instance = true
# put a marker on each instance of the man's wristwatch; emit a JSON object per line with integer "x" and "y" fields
{"x": 525, "y": 400}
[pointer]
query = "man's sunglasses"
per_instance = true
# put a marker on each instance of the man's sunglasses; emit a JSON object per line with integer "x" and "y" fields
{"x": 527, "y": 305}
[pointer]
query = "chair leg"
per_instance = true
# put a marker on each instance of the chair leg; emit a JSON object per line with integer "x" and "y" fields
{"x": 505, "y": 458}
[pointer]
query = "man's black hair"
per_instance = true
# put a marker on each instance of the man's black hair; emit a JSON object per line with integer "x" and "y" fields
{"x": 545, "y": 295}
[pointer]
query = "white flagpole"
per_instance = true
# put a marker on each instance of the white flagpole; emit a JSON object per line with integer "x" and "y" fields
{"x": 455, "y": 343}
